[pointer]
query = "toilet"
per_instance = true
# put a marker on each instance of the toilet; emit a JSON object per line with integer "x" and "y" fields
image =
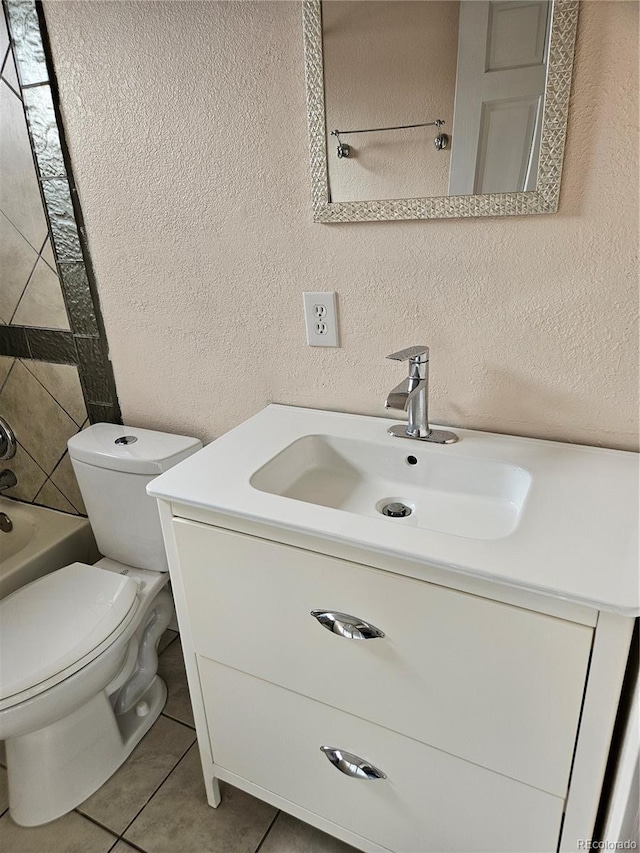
{"x": 78, "y": 647}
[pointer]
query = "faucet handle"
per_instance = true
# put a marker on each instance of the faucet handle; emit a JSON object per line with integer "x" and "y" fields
{"x": 420, "y": 354}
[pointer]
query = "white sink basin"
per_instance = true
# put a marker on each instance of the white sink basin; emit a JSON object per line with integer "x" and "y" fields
{"x": 464, "y": 496}
{"x": 554, "y": 518}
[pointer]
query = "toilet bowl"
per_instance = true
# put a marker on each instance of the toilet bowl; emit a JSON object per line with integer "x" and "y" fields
{"x": 78, "y": 647}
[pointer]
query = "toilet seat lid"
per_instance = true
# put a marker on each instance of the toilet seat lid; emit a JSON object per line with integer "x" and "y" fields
{"x": 51, "y": 624}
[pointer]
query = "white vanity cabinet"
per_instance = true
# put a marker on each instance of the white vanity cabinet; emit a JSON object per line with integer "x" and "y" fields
{"x": 470, "y": 705}
{"x": 475, "y": 678}
{"x": 465, "y": 696}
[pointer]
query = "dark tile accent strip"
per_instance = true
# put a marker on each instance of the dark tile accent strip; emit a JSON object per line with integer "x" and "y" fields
{"x": 44, "y": 131}
{"x": 66, "y": 242}
{"x": 27, "y": 42}
{"x": 94, "y": 370}
{"x": 52, "y": 345}
{"x": 86, "y": 344}
{"x": 13, "y": 341}
{"x": 99, "y": 414}
{"x": 75, "y": 285}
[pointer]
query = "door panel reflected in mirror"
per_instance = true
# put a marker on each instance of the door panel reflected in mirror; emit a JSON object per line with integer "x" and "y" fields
{"x": 487, "y": 80}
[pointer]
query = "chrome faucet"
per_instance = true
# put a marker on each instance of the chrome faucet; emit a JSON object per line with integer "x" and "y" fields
{"x": 412, "y": 395}
{"x": 7, "y": 480}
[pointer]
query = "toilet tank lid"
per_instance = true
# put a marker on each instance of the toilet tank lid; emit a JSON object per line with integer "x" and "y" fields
{"x": 130, "y": 449}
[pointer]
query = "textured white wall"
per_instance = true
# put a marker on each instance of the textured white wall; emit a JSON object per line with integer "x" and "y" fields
{"x": 187, "y": 130}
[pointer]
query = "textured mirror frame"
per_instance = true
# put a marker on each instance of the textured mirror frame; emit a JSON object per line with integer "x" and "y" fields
{"x": 544, "y": 199}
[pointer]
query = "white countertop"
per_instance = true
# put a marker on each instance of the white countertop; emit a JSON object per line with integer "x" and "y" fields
{"x": 576, "y": 537}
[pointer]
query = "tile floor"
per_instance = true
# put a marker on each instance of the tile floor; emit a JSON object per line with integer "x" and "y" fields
{"x": 156, "y": 803}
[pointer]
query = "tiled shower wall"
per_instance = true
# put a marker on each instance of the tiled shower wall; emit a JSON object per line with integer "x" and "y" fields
{"x": 54, "y": 372}
{"x": 45, "y": 407}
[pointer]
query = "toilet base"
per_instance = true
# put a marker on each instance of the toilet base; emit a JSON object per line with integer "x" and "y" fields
{"x": 54, "y": 769}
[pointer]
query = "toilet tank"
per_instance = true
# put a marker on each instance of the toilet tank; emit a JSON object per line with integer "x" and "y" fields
{"x": 113, "y": 465}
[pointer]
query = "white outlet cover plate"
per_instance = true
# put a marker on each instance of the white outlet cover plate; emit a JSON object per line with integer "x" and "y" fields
{"x": 321, "y": 319}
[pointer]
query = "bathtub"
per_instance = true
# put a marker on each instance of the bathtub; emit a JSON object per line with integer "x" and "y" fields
{"x": 42, "y": 540}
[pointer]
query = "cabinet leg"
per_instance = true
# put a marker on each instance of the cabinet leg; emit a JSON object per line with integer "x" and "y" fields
{"x": 213, "y": 791}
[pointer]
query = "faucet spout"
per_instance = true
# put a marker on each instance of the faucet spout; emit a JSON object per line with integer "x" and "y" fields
{"x": 396, "y": 400}
{"x": 412, "y": 396}
{"x": 400, "y": 396}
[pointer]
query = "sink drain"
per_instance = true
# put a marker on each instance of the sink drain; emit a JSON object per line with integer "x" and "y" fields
{"x": 396, "y": 510}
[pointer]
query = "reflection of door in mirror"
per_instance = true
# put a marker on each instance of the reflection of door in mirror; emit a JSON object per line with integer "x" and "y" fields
{"x": 501, "y": 75}
{"x": 398, "y": 62}
{"x": 389, "y": 63}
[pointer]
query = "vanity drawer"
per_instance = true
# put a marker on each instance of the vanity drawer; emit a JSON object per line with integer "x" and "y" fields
{"x": 429, "y": 802}
{"x": 493, "y": 684}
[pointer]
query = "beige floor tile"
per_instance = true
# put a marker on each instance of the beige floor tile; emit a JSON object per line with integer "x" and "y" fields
{"x": 171, "y": 669}
{"x": 179, "y": 818}
{"x": 4, "y": 791}
{"x": 290, "y": 835}
{"x": 69, "y": 834}
{"x": 131, "y": 787}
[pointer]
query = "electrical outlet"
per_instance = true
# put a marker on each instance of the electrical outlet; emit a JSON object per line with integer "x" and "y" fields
{"x": 321, "y": 319}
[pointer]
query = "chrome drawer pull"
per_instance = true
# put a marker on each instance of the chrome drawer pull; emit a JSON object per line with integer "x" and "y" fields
{"x": 347, "y": 626}
{"x": 351, "y": 765}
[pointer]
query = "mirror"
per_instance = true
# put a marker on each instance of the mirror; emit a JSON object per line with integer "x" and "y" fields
{"x": 424, "y": 109}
